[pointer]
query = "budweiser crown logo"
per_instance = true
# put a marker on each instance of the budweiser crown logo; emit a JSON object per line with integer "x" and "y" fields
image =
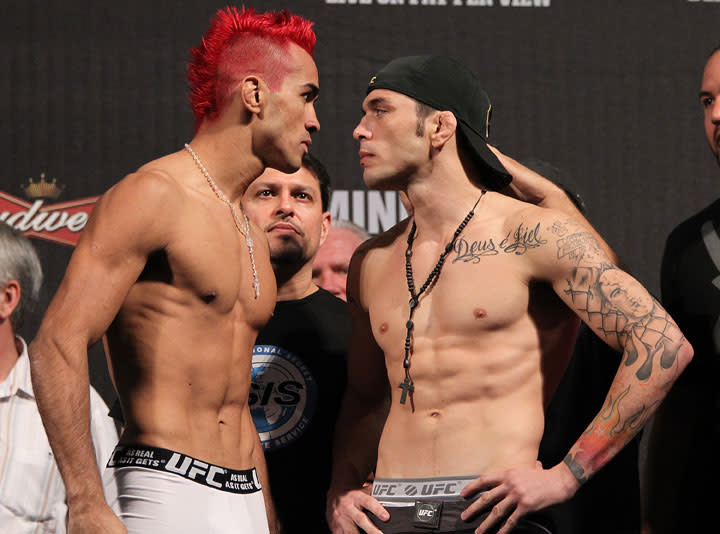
{"x": 42, "y": 189}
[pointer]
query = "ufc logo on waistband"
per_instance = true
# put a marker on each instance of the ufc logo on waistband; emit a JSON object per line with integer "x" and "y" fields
{"x": 192, "y": 468}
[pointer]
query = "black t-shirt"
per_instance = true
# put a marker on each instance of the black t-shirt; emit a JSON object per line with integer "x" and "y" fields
{"x": 298, "y": 379}
{"x": 686, "y": 432}
{"x": 690, "y": 283}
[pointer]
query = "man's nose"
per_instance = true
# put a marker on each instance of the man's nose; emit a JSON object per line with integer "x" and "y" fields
{"x": 284, "y": 204}
{"x": 312, "y": 124}
{"x": 715, "y": 111}
{"x": 361, "y": 131}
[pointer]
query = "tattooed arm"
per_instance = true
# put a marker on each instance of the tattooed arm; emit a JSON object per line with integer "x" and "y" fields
{"x": 529, "y": 186}
{"x": 621, "y": 311}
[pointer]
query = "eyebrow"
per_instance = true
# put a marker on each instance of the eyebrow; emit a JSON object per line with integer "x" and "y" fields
{"x": 303, "y": 188}
{"x": 264, "y": 185}
{"x": 377, "y": 101}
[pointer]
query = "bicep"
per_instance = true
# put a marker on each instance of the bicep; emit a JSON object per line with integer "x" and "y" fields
{"x": 621, "y": 312}
{"x": 608, "y": 299}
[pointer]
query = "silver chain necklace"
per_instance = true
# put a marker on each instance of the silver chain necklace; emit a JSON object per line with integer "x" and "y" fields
{"x": 244, "y": 231}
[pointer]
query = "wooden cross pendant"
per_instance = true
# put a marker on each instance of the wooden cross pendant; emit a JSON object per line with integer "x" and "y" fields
{"x": 406, "y": 386}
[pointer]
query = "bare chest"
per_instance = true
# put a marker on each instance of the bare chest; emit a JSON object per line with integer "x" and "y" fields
{"x": 474, "y": 294}
{"x": 210, "y": 263}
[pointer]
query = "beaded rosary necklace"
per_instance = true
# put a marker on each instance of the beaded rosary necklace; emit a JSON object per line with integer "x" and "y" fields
{"x": 407, "y": 384}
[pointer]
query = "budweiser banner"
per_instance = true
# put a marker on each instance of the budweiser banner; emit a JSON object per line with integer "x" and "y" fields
{"x": 61, "y": 223}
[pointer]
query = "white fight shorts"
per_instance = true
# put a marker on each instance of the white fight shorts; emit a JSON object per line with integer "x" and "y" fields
{"x": 165, "y": 492}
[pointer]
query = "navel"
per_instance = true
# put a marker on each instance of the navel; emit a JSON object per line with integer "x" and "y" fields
{"x": 383, "y": 328}
{"x": 479, "y": 313}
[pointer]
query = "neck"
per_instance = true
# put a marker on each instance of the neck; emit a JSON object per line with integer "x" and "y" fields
{"x": 213, "y": 143}
{"x": 9, "y": 352}
{"x": 294, "y": 282}
{"x": 439, "y": 207}
{"x": 443, "y": 194}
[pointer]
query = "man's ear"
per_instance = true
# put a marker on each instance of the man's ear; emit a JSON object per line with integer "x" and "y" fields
{"x": 443, "y": 128}
{"x": 9, "y": 299}
{"x": 253, "y": 92}
{"x": 325, "y": 228}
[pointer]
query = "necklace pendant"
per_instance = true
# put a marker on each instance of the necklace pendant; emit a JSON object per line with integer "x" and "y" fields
{"x": 249, "y": 241}
{"x": 407, "y": 387}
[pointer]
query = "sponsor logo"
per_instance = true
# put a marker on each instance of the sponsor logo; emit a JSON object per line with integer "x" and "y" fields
{"x": 427, "y": 514}
{"x": 282, "y": 396}
{"x": 392, "y": 489}
{"x": 192, "y": 469}
{"x": 59, "y": 222}
{"x": 380, "y": 489}
{"x": 132, "y": 457}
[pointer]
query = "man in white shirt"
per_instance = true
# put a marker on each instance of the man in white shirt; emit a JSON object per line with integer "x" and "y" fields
{"x": 32, "y": 494}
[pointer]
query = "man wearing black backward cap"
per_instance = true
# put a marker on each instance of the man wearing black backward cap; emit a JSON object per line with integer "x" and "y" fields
{"x": 460, "y": 326}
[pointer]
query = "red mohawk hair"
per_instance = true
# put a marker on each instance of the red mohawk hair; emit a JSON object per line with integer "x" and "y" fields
{"x": 240, "y": 43}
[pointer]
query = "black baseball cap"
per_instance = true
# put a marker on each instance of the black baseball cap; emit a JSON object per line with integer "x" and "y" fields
{"x": 447, "y": 85}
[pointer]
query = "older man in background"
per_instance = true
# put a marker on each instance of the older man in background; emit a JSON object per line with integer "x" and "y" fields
{"x": 331, "y": 263}
{"x": 32, "y": 494}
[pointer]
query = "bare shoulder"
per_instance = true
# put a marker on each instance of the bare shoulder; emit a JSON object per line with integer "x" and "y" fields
{"x": 557, "y": 247}
{"x": 523, "y": 212}
{"x": 380, "y": 246}
{"x": 148, "y": 186}
{"x": 555, "y": 233}
{"x": 138, "y": 210}
{"x": 370, "y": 260}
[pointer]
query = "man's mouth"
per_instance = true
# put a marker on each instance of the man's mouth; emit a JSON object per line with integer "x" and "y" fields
{"x": 284, "y": 228}
{"x": 364, "y": 156}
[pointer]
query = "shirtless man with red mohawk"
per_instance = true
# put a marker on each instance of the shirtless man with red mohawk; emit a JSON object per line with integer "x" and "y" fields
{"x": 181, "y": 324}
